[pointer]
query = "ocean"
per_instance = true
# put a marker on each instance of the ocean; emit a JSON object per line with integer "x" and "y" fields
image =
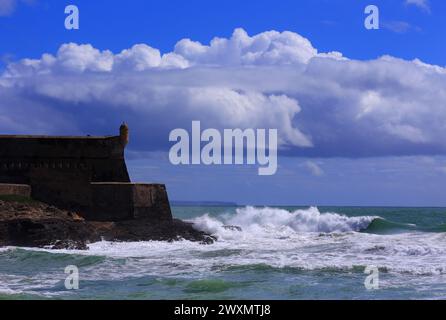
{"x": 275, "y": 253}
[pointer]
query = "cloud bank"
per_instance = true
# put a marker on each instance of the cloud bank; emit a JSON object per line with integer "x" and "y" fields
{"x": 323, "y": 104}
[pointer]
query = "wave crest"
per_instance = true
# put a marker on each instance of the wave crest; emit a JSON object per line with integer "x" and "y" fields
{"x": 255, "y": 220}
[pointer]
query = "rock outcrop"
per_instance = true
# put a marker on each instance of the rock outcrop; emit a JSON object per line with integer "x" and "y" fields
{"x": 29, "y": 223}
{"x": 70, "y": 191}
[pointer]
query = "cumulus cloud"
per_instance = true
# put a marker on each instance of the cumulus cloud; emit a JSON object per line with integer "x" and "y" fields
{"x": 323, "y": 104}
{"x": 268, "y": 48}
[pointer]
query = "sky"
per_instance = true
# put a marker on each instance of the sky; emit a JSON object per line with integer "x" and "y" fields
{"x": 360, "y": 113}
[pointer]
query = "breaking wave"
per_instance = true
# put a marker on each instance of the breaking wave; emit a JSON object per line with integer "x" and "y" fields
{"x": 266, "y": 220}
{"x": 260, "y": 246}
{"x": 383, "y": 226}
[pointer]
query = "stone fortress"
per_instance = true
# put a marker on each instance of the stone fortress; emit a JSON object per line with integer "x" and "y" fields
{"x": 86, "y": 174}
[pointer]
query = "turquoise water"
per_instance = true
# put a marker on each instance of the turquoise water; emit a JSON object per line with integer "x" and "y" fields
{"x": 279, "y": 253}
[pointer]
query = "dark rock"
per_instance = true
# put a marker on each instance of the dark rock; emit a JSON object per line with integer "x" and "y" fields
{"x": 36, "y": 224}
{"x": 233, "y": 228}
{"x": 69, "y": 244}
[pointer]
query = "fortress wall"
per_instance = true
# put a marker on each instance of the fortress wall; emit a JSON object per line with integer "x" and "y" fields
{"x": 8, "y": 174}
{"x": 107, "y": 147}
{"x": 151, "y": 201}
{"x": 103, "y": 156}
{"x": 110, "y": 202}
{"x": 124, "y": 201}
{"x": 64, "y": 188}
{"x": 15, "y": 190}
{"x": 114, "y": 170}
{"x": 87, "y": 174}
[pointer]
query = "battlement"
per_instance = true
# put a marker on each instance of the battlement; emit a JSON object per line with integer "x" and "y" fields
{"x": 102, "y": 157}
{"x": 87, "y": 174}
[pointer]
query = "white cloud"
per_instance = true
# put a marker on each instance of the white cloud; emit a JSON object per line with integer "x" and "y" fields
{"x": 322, "y": 103}
{"x": 314, "y": 168}
{"x": 400, "y": 26}
{"x": 423, "y": 4}
{"x": 267, "y": 48}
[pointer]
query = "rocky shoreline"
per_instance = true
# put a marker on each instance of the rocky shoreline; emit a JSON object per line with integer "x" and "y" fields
{"x": 35, "y": 224}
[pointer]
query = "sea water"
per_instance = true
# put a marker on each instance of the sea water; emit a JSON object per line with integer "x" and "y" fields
{"x": 276, "y": 253}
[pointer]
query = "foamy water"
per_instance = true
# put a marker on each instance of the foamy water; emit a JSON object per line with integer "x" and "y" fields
{"x": 303, "y": 239}
{"x": 280, "y": 221}
{"x": 273, "y": 242}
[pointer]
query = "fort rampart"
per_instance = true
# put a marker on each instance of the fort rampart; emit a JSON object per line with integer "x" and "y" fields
{"x": 87, "y": 174}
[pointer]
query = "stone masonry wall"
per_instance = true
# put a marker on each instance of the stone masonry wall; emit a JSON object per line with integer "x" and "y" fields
{"x": 124, "y": 201}
{"x": 87, "y": 174}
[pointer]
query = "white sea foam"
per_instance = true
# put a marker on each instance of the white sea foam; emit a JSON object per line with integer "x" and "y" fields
{"x": 261, "y": 220}
{"x": 303, "y": 239}
{"x": 410, "y": 253}
{"x": 18, "y": 284}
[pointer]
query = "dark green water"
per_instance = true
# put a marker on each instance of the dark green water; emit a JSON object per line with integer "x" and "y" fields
{"x": 281, "y": 253}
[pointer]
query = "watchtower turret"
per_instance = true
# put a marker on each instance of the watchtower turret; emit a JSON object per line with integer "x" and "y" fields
{"x": 124, "y": 133}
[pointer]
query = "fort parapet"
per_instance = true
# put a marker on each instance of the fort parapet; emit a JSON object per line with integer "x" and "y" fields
{"x": 87, "y": 174}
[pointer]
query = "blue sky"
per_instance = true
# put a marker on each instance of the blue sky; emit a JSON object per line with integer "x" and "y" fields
{"x": 36, "y": 26}
{"x": 375, "y": 124}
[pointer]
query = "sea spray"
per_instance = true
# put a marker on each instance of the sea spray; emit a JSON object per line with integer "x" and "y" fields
{"x": 278, "y": 260}
{"x": 255, "y": 221}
